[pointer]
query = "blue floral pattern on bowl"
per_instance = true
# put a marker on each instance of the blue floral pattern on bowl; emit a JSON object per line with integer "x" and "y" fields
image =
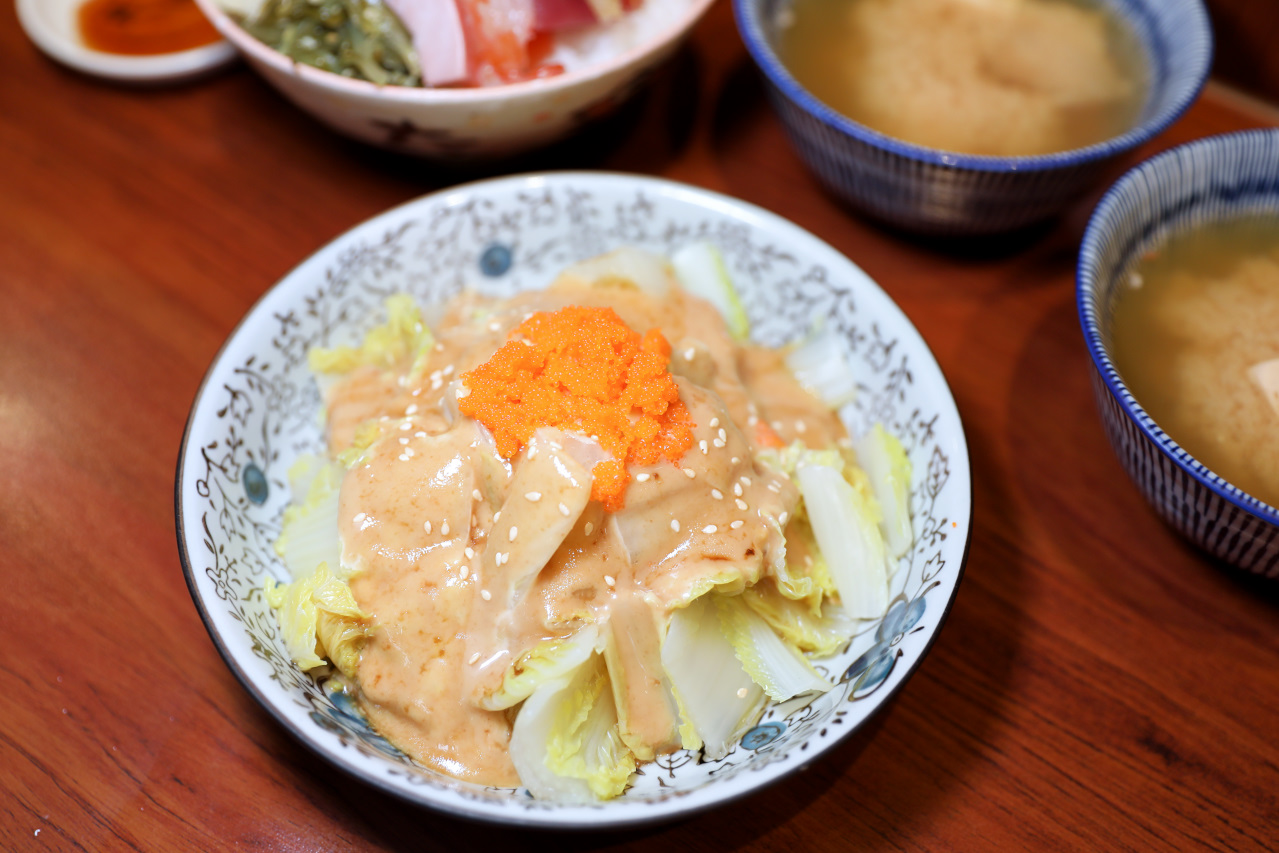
{"x": 256, "y": 411}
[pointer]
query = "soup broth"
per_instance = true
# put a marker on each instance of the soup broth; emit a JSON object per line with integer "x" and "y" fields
{"x": 992, "y": 77}
{"x": 1195, "y": 336}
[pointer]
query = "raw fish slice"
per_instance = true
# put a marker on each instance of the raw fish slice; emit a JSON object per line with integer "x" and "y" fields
{"x": 552, "y": 15}
{"x": 438, "y": 38}
{"x": 498, "y": 37}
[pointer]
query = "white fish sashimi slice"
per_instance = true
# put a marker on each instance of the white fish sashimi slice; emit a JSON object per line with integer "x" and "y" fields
{"x": 543, "y": 504}
{"x": 438, "y": 38}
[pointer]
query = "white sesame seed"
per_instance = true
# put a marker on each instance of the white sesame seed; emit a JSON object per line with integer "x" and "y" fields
{"x": 735, "y": 460}
{"x": 532, "y": 452}
{"x": 419, "y": 434}
{"x": 719, "y": 442}
{"x": 501, "y": 558}
{"x": 439, "y": 347}
{"x": 475, "y": 493}
{"x": 741, "y": 692}
{"x": 717, "y": 494}
{"x": 723, "y": 436}
{"x": 783, "y": 518}
{"x": 411, "y": 410}
{"x": 737, "y": 525}
{"x": 641, "y": 478}
{"x": 705, "y": 448}
{"x": 470, "y": 554}
{"x": 741, "y": 504}
{"x": 448, "y": 370}
{"x": 475, "y": 657}
{"x": 710, "y": 528}
{"x": 427, "y": 527}
{"x": 745, "y": 479}
{"x": 466, "y": 570}
{"x": 515, "y": 531}
{"x": 675, "y": 525}
{"x": 494, "y": 326}
{"x": 406, "y": 426}
{"x": 564, "y": 511}
{"x": 444, "y": 527}
{"x": 589, "y": 528}
{"x": 689, "y": 473}
{"x": 417, "y": 392}
{"x": 404, "y": 440}
{"x": 800, "y": 426}
{"x": 496, "y": 516}
{"x": 714, "y": 422}
{"x": 403, "y": 458}
{"x": 610, "y": 580}
{"x": 690, "y": 354}
{"x": 462, "y": 392}
{"x": 486, "y": 595}
{"x": 437, "y": 384}
{"x": 410, "y": 452}
{"x": 752, "y": 420}
{"x": 737, "y": 489}
{"x": 773, "y": 487}
{"x": 533, "y": 496}
{"x": 776, "y": 425}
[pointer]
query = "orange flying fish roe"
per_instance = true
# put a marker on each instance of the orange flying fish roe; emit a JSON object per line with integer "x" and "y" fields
{"x": 584, "y": 370}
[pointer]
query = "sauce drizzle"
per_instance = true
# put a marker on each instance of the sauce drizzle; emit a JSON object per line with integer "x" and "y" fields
{"x": 144, "y": 27}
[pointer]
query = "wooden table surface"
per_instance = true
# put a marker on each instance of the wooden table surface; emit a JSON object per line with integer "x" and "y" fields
{"x": 1098, "y": 686}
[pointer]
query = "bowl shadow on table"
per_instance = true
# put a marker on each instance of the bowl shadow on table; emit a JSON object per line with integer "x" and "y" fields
{"x": 742, "y": 102}
{"x": 643, "y": 134}
{"x": 394, "y": 824}
{"x": 1038, "y": 412}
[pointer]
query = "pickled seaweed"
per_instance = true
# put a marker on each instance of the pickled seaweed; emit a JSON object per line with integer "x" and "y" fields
{"x": 362, "y": 39}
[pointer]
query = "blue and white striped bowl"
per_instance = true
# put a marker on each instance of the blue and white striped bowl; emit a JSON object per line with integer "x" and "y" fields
{"x": 938, "y": 192}
{"x": 1209, "y": 180}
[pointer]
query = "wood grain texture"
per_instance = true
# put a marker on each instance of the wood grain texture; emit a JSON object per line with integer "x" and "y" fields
{"x": 1245, "y": 32}
{"x": 1098, "y": 686}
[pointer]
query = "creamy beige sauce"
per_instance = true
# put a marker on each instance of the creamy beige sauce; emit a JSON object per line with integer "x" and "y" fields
{"x": 463, "y": 570}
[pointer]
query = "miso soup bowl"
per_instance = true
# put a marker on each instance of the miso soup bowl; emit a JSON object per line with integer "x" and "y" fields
{"x": 930, "y": 191}
{"x": 1206, "y": 181}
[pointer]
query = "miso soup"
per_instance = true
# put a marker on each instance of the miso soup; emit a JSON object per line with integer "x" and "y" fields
{"x": 1195, "y": 337}
{"x": 993, "y": 77}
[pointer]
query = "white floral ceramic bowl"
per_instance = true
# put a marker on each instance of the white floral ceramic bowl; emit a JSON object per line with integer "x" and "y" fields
{"x": 256, "y": 411}
{"x": 461, "y": 123}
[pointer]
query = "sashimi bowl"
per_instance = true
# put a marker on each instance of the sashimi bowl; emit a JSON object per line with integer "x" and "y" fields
{"x": 259, "y": 408}
{"x": 604, "y": 65}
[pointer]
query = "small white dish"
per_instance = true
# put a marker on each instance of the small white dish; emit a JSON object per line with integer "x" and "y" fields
{"x": 52, "y": 26}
